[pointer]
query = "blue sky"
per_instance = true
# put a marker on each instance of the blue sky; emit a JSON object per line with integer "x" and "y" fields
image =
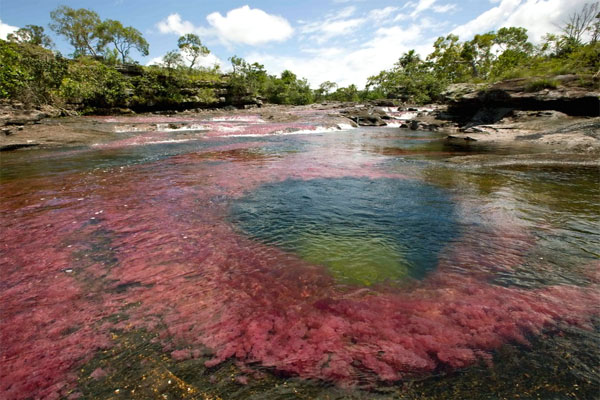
{"x": 344, "y": 41}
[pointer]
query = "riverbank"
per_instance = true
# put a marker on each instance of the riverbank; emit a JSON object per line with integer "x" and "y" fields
{"x": 554, "y": 131}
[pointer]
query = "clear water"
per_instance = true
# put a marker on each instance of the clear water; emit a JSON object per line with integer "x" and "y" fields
{"x": 350, "y": 264}
{"x": 363, "y": 230}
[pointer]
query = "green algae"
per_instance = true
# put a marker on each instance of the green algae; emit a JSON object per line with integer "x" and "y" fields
{"x": 353, "y": 259}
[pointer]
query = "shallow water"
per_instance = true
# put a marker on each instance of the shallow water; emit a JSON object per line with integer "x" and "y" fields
{"x": 342, "y": 264}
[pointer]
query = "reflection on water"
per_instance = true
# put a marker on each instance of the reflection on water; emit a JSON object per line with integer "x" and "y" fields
{"x": 285, "y": 266}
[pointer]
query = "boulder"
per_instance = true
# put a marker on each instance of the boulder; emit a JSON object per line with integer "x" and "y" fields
{"x": 367, "y": 116}
{"x": 566, "y": 94}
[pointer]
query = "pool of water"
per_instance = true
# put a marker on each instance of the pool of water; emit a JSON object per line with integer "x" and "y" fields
{"x": 343, "y": 264}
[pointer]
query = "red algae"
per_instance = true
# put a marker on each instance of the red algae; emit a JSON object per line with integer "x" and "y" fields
{"x": 154, "y": 242}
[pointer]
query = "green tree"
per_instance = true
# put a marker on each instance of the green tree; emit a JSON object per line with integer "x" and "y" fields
{"x": 30, "y": 73}
{"x": 288, "y": 89}
{"x": 448, "y": 60}
{"x": 349, "y": 93}
{"x": 80, "y": 28}
{"x": 31, "y": 34}
{"x": 192, "y": 48}
{"x": 94, "y": 84}
{"x": 478, "y": 54}
{"x": 411, "y": 79}
{"x": 324, "y": 90}
{"x": 124, "y": 39}
{"x": 247, "y": 79}
{"x": 172, "y": 59}
{"x": 515, "y": 49}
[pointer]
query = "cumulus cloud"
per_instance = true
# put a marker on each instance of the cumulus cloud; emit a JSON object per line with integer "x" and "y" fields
{"x": 549, "y": 15}
{"x": 250, "y": 26}
{"x": 174, "y": 24}
{"x": 349, "y": 66}
{"x": 373, "y": 40}
{"x": 5, "y": 29}
{"x": 243, "y": 25}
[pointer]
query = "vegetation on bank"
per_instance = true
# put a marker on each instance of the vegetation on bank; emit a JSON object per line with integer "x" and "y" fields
{"x": 102, "y": 74}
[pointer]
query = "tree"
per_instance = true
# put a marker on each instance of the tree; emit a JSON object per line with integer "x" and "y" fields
{"x": 172, "y": 59}
{"x": 247, "y": 79}
{"x": 411, "y": 79}
{"x": 123, "y": 38}
{"x": 324, "y": 89}
{"x": 448, "y": 59}
{"x": 580, "y": 23}
{"x": 192, "y": 47}
{"x": 31, "y": 34}
{"x": 515, "y": 49}
{"x": 80, "y": 28}
{"x": 478, "y": 54}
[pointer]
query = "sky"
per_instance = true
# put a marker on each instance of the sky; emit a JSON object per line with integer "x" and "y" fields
{"x": 344, "y": 41}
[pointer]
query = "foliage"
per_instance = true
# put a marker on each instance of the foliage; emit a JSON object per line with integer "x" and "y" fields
{"x": 90, "y": 36}
{"x": 80, "y": 28}
{"x": 94, "y": 84}
{"x": 324, "y": 89}
{"x": 29, "y": 73}
{"x": 172, "y": 59}
{"x": 124, "y": 39}
{"x": 31, "y": 34}
{"x": 247, "y": 79}
{"x": 411, "y": 79}
{"x": 350, "y": 93}
{"x": 288, "y": 89}
{"x": 33, "y": 74}
{"x": 193, "y": 49}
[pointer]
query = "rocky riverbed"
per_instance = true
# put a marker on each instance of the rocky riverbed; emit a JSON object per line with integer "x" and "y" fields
{"x": 563, "y": 120}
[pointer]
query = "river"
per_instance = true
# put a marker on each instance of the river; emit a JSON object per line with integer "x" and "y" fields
{"x": 239, "y": 259}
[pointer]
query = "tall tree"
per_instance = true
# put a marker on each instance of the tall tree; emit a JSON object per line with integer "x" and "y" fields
{"x": 172, "y": 59}
{"x": 514, "y": 47}
{"x": 192, "y": 48}
{"x": 448, "y": 59}
{"x": 478, "y": 54}
{"x": 80, "y": 28}
{"x": 581, "y": 22}
{"x": 31, "y": 34}
{"x": 124, "y": 39}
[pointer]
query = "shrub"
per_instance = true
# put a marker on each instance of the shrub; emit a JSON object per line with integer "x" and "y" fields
{"x": 93, "y": 84}
{"x": 541, "y": 84}
{"x": 30, "y": 73}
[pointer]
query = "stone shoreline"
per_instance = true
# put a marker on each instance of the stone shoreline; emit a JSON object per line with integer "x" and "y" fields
{"x": 555, "y": 131}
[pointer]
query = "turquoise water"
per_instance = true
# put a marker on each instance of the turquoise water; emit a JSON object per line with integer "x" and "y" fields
{"x": 364, "y": 230}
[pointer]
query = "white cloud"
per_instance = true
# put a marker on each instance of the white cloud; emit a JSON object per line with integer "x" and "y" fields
{"x": 381, "y": 14}
{"x": 174, "y": 24}
{"x": 250, "y": 26}
{"x": 5, "y": 29}
{"x": 423, "y": 5}
{"x": 349, "y": 66}
{"x": 537, "y": 16}
{"x": 242, "y": 25}
{"x": 445, "y": 8}
{"x": 334, "y": 24}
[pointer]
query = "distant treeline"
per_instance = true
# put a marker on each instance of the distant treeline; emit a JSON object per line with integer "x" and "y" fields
{"x": 95, "y": 76}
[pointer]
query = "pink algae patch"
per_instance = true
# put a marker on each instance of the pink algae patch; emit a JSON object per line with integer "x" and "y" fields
{"x": 159, "y": 246}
